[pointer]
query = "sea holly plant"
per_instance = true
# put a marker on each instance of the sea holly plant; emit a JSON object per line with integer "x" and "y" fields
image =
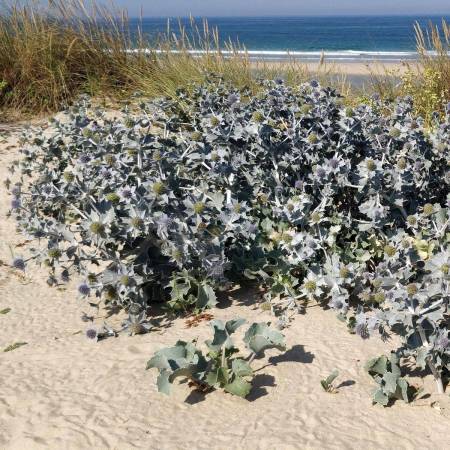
{"x": 290, "y": 189}
{"x": 385, "y": 371}
{"x": 220, "y": 367}
{"x": 327, "y": 383}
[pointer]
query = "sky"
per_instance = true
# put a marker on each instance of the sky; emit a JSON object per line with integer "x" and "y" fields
{"x": 179, "y": 8}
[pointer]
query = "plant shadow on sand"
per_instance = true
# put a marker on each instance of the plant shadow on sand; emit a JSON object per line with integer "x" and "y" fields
{"x": 296, "y": 353}
{"x": 248, "y": 295}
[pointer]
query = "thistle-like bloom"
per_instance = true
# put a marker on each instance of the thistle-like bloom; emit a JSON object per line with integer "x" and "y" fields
{"x": 442, "y": 342}
{"x": 19, "y": 263}
{"x": 92, "y": 334}
{"x": 16, "y": 190}
{"x": 84, "y": 289}
{"x": 233, "y": 99}
{"x": 83, "y": 159}
{"x": 16, "y": 203}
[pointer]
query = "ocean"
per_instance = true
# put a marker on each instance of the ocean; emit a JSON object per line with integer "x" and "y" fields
{"x": 343, "y": 39}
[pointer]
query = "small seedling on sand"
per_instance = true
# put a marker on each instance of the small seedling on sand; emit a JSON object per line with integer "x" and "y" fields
{"x": 327, "y": 383}
{"x": 5, "y": 311}
{"x": 14, "y": 346}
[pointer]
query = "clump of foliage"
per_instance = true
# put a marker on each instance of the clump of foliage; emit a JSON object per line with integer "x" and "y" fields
{"x": 426, "y": 80}
{"x": 386, "y": 373}
{"x": 317, "y": 202}
{"x": 430, "y": 83}
{"x": 220, "y": 367}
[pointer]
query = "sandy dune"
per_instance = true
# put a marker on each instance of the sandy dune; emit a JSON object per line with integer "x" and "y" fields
{"x": 62, "y": 392}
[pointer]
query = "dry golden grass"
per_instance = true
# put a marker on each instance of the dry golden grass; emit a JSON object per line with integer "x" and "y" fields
{"x": 49, "y": 55}
{"x": 427, "y": 81}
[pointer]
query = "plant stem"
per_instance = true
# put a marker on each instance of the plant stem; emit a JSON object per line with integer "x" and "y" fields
{"x": 223, "y": 356}
{"x": 430, "y": 363}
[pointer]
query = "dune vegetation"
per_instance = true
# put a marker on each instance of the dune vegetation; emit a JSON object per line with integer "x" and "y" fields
{"x": 51, "y": 54}
{"x": 219, "y": 172}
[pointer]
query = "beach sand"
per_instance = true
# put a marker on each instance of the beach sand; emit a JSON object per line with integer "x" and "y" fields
{"x": 358, "y": 75}
{"x": 62, "y": 392}
{"x": 351, "y": 68}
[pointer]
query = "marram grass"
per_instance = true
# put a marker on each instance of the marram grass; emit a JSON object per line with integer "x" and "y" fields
{"x": 51, "y": 54}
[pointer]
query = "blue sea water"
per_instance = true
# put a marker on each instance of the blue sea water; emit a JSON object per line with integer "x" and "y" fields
{"x": 341, "y": 38}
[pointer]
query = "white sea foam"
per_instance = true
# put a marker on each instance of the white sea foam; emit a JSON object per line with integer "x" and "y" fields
{"x": 274, "y": 55}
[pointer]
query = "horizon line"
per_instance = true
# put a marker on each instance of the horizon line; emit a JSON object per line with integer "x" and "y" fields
{"x": 265, "y": 16}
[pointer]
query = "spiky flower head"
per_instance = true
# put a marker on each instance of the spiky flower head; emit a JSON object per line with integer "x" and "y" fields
{"x": 428, "y": 209}
{"x": 16, "y": 203}
{"x": 92, "y": 278}
{"x": 377, "y": 282}
{"x": 401, "y": 163}
{"x": 389, "y": 250}
{"x": 395, "y": 133}
{"x": 370, "y": 164}
{"x": 126, "y": 193}
{"x": 87, "y": 132}
{"x": 84, "y": 289}
{"x": 125, "y": 280}
{"x": 258, "y": 117}
{"x": 68, "y": 176}
{"x": 379, "y": 297}
{"x": 215, "y": 121}
{"x": 199, "y": 207}
{"x": 97, "y": 228}
{"x": 316, "y": 217}
{"x": 266, "y": 306}
{"x": 159, "y": 188}
{"x": 310, "y": 285}
{"x": 19, "y": 263}
{"x": 92, "y": 334}
{"x": 16, "y": 190}
{"x": 84, "y": 159}
{"x": 113, "y": 197}
{"x": 157, "y": 155}
{"x": 110, "y": 159}
{"x": 365, "y": 296}
{"x": 412, "y": 220}
{"x": 298, "y": 184}
{"x": 411, "y": 289}
{"x": 196, "y": 136}
{"x": 137, "y": 222}
{"x": 110, "y": 292}
{"x": 233, "y": 98}
{"x": 306, "y": 109}
{"x": 54, "y": 253}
